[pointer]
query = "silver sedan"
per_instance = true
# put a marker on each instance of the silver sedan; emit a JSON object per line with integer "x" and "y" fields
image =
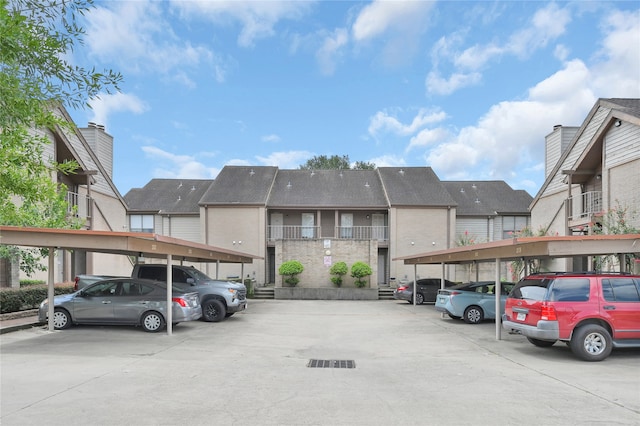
{"x": 125, "y": 301}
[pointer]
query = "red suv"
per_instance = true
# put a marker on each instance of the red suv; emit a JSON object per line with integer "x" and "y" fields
{"x": 591, "y": 312}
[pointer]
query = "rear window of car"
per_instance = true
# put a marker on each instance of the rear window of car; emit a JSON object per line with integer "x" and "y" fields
{"x": 569, "y": 290}
{"x": 532, "y": 289}
{"x": 621, "y": 290}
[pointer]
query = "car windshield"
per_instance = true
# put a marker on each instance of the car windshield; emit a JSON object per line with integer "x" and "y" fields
{"x": 200, "y": 276}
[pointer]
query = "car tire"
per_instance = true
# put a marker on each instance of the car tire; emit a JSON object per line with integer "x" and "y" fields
{"x": 61, "y": 319}
{"x": 473, "y": 315}
{"x": 419, "y": 299}
{"x": 591, "y": 342}
{"x": 541, "y": 343}
{"x": 455, "y": 317}
{"x": 213, "y": 311}
{"x": 152, "y": 322}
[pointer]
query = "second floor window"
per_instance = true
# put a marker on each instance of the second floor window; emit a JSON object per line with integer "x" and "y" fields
{"x": 141, "y": 223}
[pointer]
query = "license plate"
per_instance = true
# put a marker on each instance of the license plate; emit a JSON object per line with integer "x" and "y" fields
{"x": 521, "y": 316}
{"x": 442, "y": 300}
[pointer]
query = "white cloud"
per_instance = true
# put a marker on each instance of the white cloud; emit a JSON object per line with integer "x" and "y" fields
{"x": 285, "y": 159}
{"x": 257, "y": 18}
{"x": 172, "y": 166}
{"x": 441, "y": 86}
{"x": 379, "y": 16}
{"x": 271, "y": 138}
{"x": 331, "y": 49}
{"x": 428, "y": 137}
{"x": 388, "y": 161}
{"x": 135, "y": 36}
{"x": 382, "y": 122}
{"x": 105, "y": 104}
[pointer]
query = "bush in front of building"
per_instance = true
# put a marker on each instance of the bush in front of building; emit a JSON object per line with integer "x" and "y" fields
{"x": 29, "y": 297}
{"x": 359, "y": 271}
{"x": 338, "y": 269}
{"x": 291, "y": 269}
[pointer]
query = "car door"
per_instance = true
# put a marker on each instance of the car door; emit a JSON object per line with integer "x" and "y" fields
{"x": 134, "y": 299}
{"x": 95, "y": 303}
{"x": 621, "y": 306}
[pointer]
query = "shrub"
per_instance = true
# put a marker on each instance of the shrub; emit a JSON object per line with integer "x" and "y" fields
{"x": 14, "y": 299}
{"x": 338, "y": 270}
{"x": 291, "y": 269}
{"x": 360, "y": 270}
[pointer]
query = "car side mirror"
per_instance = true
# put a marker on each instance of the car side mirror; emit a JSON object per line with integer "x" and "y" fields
{"x": 191, "y": 281}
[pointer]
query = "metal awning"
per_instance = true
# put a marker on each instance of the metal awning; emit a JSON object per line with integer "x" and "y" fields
{"x": 123, "y": 243}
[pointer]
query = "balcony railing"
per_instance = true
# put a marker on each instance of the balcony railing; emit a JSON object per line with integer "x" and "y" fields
{"x": 78, "y": 205}
{"x": 584, "y": 205}
{"x": 290, "y": 232}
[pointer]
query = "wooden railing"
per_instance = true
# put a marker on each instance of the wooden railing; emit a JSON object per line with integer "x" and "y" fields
{"x": 290, "y": 232}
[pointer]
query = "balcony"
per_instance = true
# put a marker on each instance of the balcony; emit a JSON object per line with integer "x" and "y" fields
{"x": 290, "y": 232}
{"x": 582, "y": 208}
{"x": 78, "y": 205}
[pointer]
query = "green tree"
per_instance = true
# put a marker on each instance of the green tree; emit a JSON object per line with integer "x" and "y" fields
{"x": 291, "y": 269}
{"x": 322, "y": 162}
{"x": 338, "y": 269}
{"x": 36, "y": 38}
{"x": 359, "y": 271}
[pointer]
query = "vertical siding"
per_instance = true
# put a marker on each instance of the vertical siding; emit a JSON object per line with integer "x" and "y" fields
{"x": 475, "y": 228}
{"x": 183, "y": 227}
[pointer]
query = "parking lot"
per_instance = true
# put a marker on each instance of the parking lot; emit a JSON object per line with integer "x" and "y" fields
{"x": 412, "y": 367}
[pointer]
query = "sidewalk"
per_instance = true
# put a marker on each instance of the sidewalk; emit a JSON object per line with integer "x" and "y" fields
{"x": 18, "y": 321}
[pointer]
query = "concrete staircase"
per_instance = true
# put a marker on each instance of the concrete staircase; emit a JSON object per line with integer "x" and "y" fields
{"x": 385, "y": 293}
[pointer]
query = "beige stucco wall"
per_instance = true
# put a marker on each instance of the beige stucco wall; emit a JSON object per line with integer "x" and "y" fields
{"x": 241, "y": 229}
{"x": 316, "y": 262}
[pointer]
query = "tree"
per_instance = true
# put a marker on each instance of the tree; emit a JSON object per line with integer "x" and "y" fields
{"x": 36, "y": 38}
{"x": 291, "y": 269}
{"x": 359, "y": 271}
{"x": 338, "y": 270}
{"x": 322, "y": 162}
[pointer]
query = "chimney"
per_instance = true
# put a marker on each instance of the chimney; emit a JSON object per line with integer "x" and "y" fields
{"x": 101, "y": 143}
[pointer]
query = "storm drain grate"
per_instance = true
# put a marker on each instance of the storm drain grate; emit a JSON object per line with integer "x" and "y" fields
{"x": 331, "y": 363}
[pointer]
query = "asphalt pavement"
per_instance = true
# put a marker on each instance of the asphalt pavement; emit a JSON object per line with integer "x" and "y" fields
{"x": 410, "y": 367}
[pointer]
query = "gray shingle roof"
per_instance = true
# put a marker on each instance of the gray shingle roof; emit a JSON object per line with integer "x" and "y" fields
{"x": 414, "y": 186}
{"x": 327, "y": 188}
{"x": 630, "y": 106}
{"x": 488, "y": 198}
{"x": 172, "y": 196}
{"x": 240, "y": 185}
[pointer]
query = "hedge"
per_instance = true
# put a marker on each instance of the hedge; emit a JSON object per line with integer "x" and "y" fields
{"x": 30, "y": 297}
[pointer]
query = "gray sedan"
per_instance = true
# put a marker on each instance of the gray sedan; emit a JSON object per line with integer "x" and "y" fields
{"x": 126, "y": 301}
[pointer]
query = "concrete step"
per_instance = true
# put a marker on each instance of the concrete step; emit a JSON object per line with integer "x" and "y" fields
{"x": 385, "y": 293}
{"x": 263, "y": 293}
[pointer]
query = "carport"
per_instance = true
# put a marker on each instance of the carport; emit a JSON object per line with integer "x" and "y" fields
{"x": 123, "y": 243}
{"x": 527, "y": 248}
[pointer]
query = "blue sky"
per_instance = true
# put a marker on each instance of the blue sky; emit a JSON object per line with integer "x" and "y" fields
{"x": 467, "y": 88}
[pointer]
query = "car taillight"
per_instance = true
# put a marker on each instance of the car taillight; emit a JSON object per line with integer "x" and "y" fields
{"x": 548, "y": 313}
{"x": 403, "y": 288}
{"x": 75, "y": 283}
{"x": 454, "y": 293}
{"x": 180, "y": 301}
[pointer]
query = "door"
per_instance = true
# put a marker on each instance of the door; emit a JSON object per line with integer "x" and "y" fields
{"x": 382, "y": 270}
{"x": 277, "y": 222}
{"x": 308, "y": 222}
{"x": 95, "y": 304}
{"x": 621, "y": 305}
{"x": 377, "y": 222}
{"x": 346, "y": 225}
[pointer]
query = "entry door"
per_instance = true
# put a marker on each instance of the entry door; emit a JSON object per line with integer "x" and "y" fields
{"x": 377, "y": 222}
{"x": 277, "y": 222}
{"x": 346, "y": 225}
{"x": 308, "y": 222}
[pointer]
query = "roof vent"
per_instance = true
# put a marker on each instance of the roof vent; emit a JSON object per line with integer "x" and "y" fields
{"x": 312, "y": 173}
{"x": 179, "y": 198}
{"x": 193, "y": 187}
{"x": 462, "y": 190}
{"x": 477, "y": 201}
{"x": 289, "y": 184}
{"x": 180, "y": 185}
{"x": 366, "y": 184}
{"x": 251, "y": 172}
{"x": 474, "y": 186}
{"x": 401, "y": 172}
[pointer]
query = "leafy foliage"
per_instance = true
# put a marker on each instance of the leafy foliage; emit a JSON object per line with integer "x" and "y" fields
{"x": 291, "y": 269}
{"x": 322, "y": 162}
{"x": 14, "y": 300}
{"x": 360, "y": 270}
{"x": 36, "y": 38}
{"x": 338, "y": 269}
{"x": 616, "y": 221}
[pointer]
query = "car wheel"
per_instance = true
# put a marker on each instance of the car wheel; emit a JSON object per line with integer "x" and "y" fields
{"x": 61, "y": 319}
{"x": 454, "y": 317}
{"x": 419, "y": 299}
{"x": 152, "y": 322}
{"x": 591, "y": 342}
{"x": 213, "y": 311}
{"x": 473, "y": 315}
{"x": 541, "y": 343}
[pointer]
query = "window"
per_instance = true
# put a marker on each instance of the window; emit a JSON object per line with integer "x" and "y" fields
{"x": 570, "y": 290}
{"x": 511, "y": 225}
{"x": 620, "y": 290}
{"x": 141, "y": 223}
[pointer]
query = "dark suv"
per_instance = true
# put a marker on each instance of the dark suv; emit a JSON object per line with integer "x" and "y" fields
{"x": 591, "y": 312}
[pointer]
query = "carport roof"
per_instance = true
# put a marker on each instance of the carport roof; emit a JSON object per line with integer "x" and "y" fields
{"x": 531, "y": 248}
{"x": 125, "y": 243}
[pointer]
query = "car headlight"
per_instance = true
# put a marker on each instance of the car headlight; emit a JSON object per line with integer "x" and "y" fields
{"x": 232, "y": 290}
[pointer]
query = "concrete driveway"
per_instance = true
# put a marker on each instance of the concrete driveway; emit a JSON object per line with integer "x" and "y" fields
{"x": 411, "y": 368}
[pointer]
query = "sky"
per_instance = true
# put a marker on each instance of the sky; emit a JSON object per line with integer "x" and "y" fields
{"x": 468, "y": 88}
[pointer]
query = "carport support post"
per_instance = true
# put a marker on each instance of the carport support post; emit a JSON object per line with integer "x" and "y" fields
{"x": 169, "y": 295}
{"x": 415, "y": 283}
{"x": 50, "y": 290}
{"x": 497, "y": 290}
{"x": 442, "y": 273}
